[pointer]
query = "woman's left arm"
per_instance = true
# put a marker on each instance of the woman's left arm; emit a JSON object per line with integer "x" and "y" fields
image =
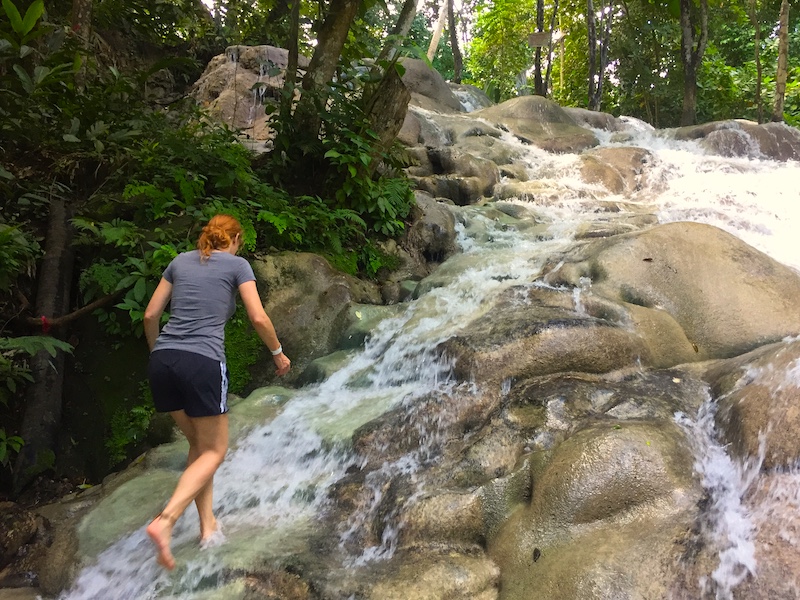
{"x": 155, "y": 308}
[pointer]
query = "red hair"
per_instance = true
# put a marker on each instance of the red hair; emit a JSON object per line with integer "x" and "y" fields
{"x": 218, "y": 234}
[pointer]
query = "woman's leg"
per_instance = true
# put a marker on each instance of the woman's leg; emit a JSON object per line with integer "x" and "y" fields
{"x": 211, "y": 434}
{"x": 204, "y": 501}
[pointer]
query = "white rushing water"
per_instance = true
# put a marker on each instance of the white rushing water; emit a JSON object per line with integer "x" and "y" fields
{"x": 274, "y": 481}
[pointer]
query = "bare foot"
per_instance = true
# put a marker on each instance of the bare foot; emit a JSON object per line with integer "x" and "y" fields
{"x": 212, "y": 538}
{"x": 207, "y": 530}
{"x": 160, "y": 531}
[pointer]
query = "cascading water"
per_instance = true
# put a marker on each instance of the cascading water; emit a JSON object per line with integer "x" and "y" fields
{"x": 276, "y": 478}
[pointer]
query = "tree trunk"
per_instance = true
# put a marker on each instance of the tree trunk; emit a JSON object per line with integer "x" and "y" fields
{"x": 399, "y": 31}
{"x": 538, "y": 84}
{"x": 386, "y": 110}
{"x": 437, "y": 32}
{"x": 458, "y": 61}
{"x": 82, "y": 27}
{"x": 603, "y": 62}
{"x": 42, "y": 418}
{"x": 321, "y": 68}
{"x": 290, "y": 74}
{"x": 783, "y": 60}
{"x": 550, "y": 50}
{"x": 694, "y": 37}
{"x": 757, "y": 26}
{"x": 82, "y": 20}
{"x": 592, "y": 35}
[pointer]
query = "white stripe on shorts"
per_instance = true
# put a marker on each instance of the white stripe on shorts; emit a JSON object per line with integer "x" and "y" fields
{"x": 223, "y": 402}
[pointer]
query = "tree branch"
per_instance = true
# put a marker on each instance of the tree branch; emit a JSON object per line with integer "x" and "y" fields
{"x": 76, "y": 314}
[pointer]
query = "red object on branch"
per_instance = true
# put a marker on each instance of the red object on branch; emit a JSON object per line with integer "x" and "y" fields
{"x": 45, "y": 324}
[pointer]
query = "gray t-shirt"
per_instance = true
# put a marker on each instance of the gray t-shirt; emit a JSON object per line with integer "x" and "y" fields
{"x": 203, "y": 299}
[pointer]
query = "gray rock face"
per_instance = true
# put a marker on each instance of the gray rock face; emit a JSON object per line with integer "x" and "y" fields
{"x": 744, "y": 138}
{"x": 428, "y": 88}
{"x": 225, "y": 88}
{"x": 759, "y": 412}
{"x": 732, "y": 298}
{"x": 306, "y": 298}
{"x": 541, "y": 122}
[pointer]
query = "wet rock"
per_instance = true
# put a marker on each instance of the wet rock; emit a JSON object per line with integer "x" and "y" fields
{"x": 620, "y": 170}
{"x": 428, "y": 88}
{"x": 535, "y": 332}
{"x": 472, "y": 98}
{"x": 541, "y": 122}
{"x": 17, "y": 527}
{"x": 278, "y": 585}
{"x": 594, "y": 119}
{"x": 225, "y": 88}
{"x": 610, "y": 494}
{"x": 433, "y": 576}
{"x": 744, "y": 138}
{"x": 306, "y": 298}
{"x": 452, "y": 518}
{"x": 725, "y": 296}
{"x": 760, "y": 400}
{"x": 459, "y": 176}
{"x": 432, "y": 237}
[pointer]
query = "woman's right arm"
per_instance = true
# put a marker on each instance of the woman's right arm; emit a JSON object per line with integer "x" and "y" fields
{"x": 263, "y": 326}
{"x": 155, "y": 308}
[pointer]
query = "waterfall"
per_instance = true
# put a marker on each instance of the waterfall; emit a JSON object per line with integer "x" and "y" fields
{"x": 726, "y": 523}
{"x": 276, "y": 477}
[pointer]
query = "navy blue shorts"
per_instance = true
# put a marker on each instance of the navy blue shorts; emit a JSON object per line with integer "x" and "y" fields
{"x": 182, "y": 380}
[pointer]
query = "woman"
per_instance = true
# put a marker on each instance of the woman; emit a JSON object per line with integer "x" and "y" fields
{"x": 187, "y": 369}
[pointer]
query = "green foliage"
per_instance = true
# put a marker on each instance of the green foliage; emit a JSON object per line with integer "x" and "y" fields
{"x": 13, "y": 351}
{"x": 9, "y": 445}
{"x": 499, "y": 50}
{"x": 18, "y": 253}
{"x": 129, "y": 428}
{"x": 353, "y": 178}
{"x": 243, "y": 348}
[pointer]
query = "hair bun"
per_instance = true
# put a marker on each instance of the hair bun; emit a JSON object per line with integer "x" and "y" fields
{"x": 218, "y": 234}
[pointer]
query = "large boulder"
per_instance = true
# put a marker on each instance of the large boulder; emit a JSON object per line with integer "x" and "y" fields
{"x": 541, "y": 122}
{"x": 694, "y": 286}
{"x": 307, "y": 299}
{"x": 537, "y": 331}
{"x": 226, "y": 88}
{"x": 611, "y": 495}
{"x": 595, "y": 119}
{"x": 759, "y": 407}
{"x": 739, "y": 137}
{"x": 459, "y": 176}
{"x": 428, "y": 88}
{"x": 621, "y": 170}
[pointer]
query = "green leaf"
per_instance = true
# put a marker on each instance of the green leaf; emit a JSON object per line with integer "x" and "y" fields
{"x": 31, "y": 344}
{"x": 40, "y": 73}
{"x": 13, "y": 16}
{"x": 140, "y": 289}
{"x": 27, "y": 84}
{"x": 68, "y": 137}
{"x": 332, "y": 154}
{"x": 32, "y": 15}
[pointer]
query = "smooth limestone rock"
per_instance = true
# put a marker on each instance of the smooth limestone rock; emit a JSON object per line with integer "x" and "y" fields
{"x": 428, "y": 88}
{"x": 541, "y": 122}
{"x": 621, "y": 171}
{"x": 760, "y": 400}
{"x": 610, "y": 495}
{"x": 739, "y": 137}
{"x": 724, "y": 296}
{"x": 306, "y": 299}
